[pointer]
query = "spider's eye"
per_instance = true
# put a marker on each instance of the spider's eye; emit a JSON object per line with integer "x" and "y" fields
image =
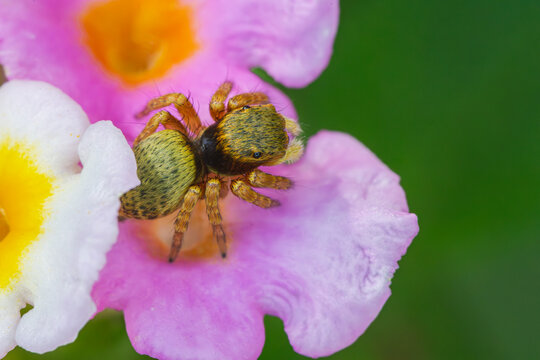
{"x": 246, "y": 107}
{"x": 257, "y": 155}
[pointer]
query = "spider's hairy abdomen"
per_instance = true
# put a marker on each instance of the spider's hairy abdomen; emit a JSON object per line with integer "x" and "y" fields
{"x": 167, "y": 165}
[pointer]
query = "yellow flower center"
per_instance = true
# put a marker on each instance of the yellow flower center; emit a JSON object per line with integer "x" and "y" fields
{"x": 4, "y": 226}
{"x": 139, "y": 40}
{"x": 23, "y": 191}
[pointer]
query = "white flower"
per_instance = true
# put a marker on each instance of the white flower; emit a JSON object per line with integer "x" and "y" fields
{"x": 57, "y": 222}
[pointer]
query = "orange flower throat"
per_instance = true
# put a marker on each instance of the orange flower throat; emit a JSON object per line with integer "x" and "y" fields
{"x": 139, "y": 40}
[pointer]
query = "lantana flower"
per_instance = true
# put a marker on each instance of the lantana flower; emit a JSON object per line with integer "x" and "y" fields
{"x": 56, "y": 221}
{"x": 322, "y": 262}
{"x": 112, "y": 56}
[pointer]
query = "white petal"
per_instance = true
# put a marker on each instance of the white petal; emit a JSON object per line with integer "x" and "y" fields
{"x": 61, "y": 266}
{"x": 9, "y": 317}
{"x": 45, "y": 117}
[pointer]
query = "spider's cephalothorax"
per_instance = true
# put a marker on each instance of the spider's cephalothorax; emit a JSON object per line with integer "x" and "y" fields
{"x": 178, "y": 167}
{"x": 244, "y": 140}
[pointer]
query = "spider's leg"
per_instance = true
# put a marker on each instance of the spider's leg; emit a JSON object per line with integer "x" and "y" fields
{"x": 212, "y": 210}
{"x": 236, "y": 102}
{"x": 217, "y": 104}
{"x": 182, "y": 219}
{"x": 224, "y": 190}
{"x": 182, "y": 104}
{"x": 242, "y": 189}
{"x": 258, "y": 178}
{"x": 162, "y": 117}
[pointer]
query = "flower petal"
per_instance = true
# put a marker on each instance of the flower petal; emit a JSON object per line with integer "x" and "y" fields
{"x": 199, "y": 83}
{"x": 59, "y": 267}
{"x": 9, "y": 318}
{"x": 294, "y": 47}
{"x": 43, "y": 116}
{"x": 291, "y": 40}
{"x": 322, "y": 262}
{"x": 196, "y": 311}
{"x": 62, "y": 267}
{"x": 41, "y": 41}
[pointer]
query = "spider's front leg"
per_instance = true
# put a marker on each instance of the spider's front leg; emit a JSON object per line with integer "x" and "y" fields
{"x": 182, "y": 104}
{"x": 240, "y": 100}
{"x": 241, "y": 188}
{"x": 258, "y": 178}
{"x": 217, "y": 104}
{"x": 213, "y": 187}
{"x": 182, "y": 219}
{"x": 163, "y": 117}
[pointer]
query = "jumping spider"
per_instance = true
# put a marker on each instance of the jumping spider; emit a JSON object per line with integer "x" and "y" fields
{"x": 182, "y": 164}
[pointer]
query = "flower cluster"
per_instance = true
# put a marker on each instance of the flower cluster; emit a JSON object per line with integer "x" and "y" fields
{"x": 322, "y": 261}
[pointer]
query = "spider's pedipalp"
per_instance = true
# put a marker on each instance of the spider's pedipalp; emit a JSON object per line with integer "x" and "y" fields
{"x": 292, "y": 126}
{"x": 295, "y": 150}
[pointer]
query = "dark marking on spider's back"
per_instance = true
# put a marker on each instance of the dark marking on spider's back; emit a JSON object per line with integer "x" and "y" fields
{"x": 167, "y": 164}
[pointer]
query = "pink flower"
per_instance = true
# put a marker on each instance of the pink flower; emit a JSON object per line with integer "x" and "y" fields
{"x": 112, "y": 56}
{"x": 322, "y": 262}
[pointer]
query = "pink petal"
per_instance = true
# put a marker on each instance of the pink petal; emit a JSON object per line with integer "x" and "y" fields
{"x": 40, "y": 40}
{"x": 191, "y": 311}
{"x": 327, "y": 255}
{"x": 199, "y": 82}
{"x": 292, "y": 40}
{"x": 322, "y": 262}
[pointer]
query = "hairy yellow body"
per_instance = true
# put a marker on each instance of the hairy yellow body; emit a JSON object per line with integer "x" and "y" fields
{"x": 166, "y": 166}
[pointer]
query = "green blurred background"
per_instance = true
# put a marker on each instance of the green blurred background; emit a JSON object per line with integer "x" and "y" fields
{"x": 447, "y": 94}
